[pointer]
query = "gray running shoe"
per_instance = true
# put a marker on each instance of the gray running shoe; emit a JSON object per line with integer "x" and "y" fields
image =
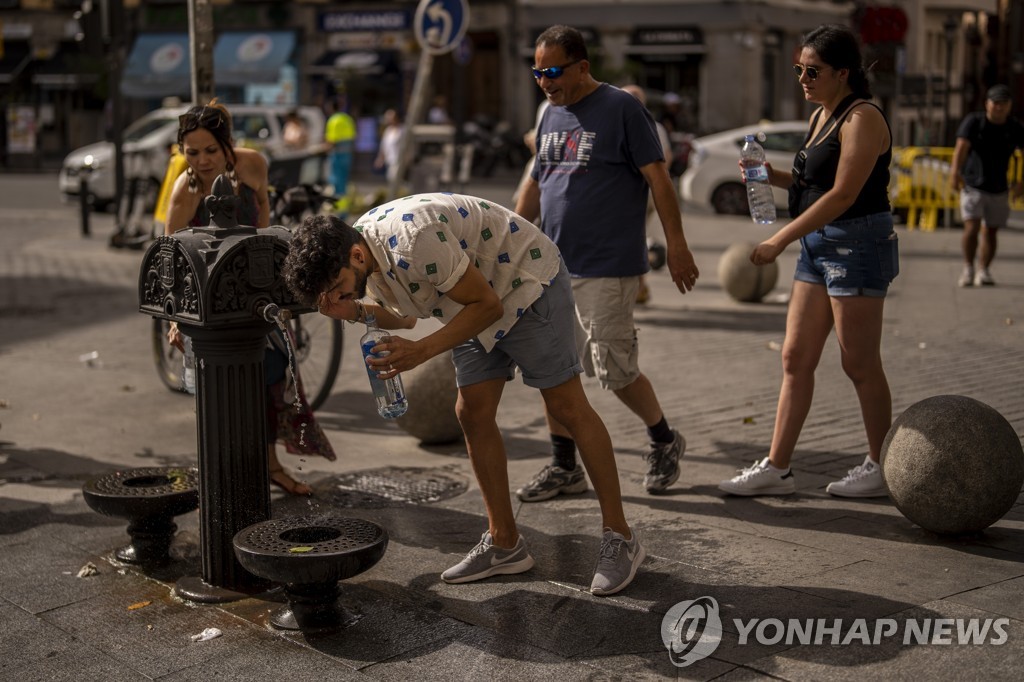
{"x": 486, "y": 560}
{"x": 664, "y": 461}
{"x": 617, "y": 564}
{"x": 551, "y": 481}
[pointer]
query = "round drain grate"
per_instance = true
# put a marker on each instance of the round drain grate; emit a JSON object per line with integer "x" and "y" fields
{"x": 394, "y": 486}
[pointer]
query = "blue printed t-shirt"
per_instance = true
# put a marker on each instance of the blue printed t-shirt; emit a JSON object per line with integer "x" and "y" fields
{"x": 424, "y": 244}
{"x": 593, "y": 198}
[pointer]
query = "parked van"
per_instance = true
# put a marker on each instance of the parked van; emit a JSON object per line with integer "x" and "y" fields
{"x": 147, "y": 148}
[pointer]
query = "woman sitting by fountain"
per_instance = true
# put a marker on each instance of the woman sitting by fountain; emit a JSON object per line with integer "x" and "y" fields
{"x": 204, "y": 138}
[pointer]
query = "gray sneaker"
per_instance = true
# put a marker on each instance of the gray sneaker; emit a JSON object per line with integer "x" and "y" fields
{"x": 551, "y": 481}
{"x": 664, "y": 461}
{"x": 486, "y": 560}
{"x": 617, "y": 564}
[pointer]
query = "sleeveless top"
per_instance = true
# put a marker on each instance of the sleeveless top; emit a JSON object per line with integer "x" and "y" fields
{"x": 814, "y": 169}
{"x": 248, "y": 209}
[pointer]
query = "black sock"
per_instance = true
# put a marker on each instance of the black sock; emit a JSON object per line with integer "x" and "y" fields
{"x": 660, "y": 433}
{"x": 563, "y": 451}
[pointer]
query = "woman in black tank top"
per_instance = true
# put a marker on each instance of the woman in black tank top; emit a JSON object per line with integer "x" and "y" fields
{"x": 205, "y": 140}
{"x": 841, "y": 216}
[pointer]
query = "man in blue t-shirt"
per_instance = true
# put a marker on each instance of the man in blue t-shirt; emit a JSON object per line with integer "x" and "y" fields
{"x": 984, "y": 144}
{"x": 598, "y": 155}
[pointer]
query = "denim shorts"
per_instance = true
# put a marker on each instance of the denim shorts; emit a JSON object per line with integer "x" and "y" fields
{"x": 542, "y": 344}
{"x": 856, "y": 257}
{"x": 994, "y": 209}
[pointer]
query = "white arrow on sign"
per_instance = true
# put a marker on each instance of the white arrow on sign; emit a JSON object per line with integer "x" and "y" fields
{"x": 439, "y": 36}
{"x": 440, "y": 24}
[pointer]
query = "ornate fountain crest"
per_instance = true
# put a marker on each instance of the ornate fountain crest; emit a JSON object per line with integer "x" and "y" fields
{"x": 218, "y": 275}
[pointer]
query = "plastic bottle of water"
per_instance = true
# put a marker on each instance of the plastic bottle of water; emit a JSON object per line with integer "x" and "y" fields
{"x": 759, "y": 189}
{"x": 188, "y": 367}
{"x": 387, "y": 393}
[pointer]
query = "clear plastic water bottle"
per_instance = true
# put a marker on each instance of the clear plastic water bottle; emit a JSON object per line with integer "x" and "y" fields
{"x": 759, "y": 188}
{"x": 188, "y": 367}
{"x": 387, "y": 393}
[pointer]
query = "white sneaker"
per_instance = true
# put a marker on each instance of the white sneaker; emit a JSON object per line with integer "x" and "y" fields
{"x": 983, "y": 278}
{"x": 760, "y": 479}
{"x": 864, "y": 480}
{"x": 966, "y": 277}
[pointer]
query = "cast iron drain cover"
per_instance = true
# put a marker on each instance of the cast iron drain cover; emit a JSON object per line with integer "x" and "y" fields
{"x": 394, "y": 486}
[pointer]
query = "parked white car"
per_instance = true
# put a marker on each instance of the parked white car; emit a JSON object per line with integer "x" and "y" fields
{"x": 147, "y": 143}
{"x": 713, "y": 180}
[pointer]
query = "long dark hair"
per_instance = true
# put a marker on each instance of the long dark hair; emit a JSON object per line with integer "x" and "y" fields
{"x": 213, "y": 117}
{"x": 838, "y": 47}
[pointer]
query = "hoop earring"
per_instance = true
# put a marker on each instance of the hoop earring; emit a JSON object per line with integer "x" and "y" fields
{"x": 232, "y": 176}
{"x": 193, "y": 183}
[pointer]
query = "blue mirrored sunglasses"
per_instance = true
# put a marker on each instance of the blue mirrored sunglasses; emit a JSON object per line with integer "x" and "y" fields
{"x": 553, "y": 72}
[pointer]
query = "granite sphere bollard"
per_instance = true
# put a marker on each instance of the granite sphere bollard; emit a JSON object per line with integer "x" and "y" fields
{"x": 741, "y": 279}
{"x": 953, "y": 464}
{"x": 432, "y": 393}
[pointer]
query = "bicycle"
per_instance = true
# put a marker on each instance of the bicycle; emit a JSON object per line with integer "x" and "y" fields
{"x": 317, "y": 344}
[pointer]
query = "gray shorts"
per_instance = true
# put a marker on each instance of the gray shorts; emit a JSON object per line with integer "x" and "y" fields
{"x": 607, "y": 333}
{"x": 541, "y": 344}
{"x": 994, "y": 209}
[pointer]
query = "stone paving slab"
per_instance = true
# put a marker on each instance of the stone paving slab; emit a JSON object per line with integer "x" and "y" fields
{"x": 716, "y": 368}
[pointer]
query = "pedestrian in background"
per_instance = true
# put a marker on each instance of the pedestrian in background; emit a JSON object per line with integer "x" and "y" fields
{"x": 839, "y": 200}
{"x": 501, "y": 292}
{"x": 340, "y": 136}
{"x": 294, "y": 133}
{"x": 984, "y": 144}
{"x": 598, "y": 157}
{"x": 389, "y": 152}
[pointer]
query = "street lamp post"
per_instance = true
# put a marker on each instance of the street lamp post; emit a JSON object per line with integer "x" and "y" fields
{"x": 949, "y": 27}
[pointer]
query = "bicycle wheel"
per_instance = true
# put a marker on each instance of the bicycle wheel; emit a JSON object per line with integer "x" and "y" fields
{"x": 167, "y": 358}
{"x": 318, "y": 341}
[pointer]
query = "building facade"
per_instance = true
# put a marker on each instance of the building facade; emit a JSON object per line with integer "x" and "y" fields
{"x": 729, "y": 64}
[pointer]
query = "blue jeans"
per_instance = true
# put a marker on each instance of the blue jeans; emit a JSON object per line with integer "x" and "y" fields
{"x": 856, "y": 257}
{"x": 341, "y": 165}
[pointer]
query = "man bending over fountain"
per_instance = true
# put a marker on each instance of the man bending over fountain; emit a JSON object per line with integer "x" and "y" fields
{"x": 499, "y": 287}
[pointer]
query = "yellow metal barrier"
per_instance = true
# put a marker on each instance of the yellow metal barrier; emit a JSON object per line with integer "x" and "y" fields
{"x": 919, "y": 184}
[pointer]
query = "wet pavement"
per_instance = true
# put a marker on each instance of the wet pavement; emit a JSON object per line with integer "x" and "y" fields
{"x": 65, "y": 418}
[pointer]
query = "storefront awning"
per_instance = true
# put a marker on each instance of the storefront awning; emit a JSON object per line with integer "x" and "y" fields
{"x": 365, "y": 62}
{"x": 158, "y": 66}
{"x": 243, "y": 58}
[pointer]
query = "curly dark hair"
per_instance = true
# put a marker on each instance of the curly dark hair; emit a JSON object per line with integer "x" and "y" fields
{"x": 319, "y": 249}
{"x": 212, "y": 117}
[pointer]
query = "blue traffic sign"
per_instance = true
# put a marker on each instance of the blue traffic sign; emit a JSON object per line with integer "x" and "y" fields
{"x": 441, "y": 24}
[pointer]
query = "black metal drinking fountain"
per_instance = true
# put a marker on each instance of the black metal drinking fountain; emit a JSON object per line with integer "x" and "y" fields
{"x": 222, "y": 284}
{"x": 149, "y": 498}
{"x": 309, "y": 555}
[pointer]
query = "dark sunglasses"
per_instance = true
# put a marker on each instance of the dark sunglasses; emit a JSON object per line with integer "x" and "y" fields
{"x": 553, "y": 72}
{"x": 812, "y": 71}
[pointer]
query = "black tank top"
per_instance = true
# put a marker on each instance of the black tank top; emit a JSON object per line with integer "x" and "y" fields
{"x": 814, "y": 170}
